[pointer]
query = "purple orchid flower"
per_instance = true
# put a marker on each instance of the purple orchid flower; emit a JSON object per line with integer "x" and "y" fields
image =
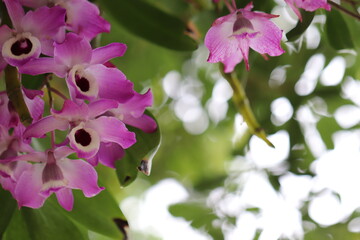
{"x": 88, "y": 128}
{"x": 51, "y": 173}
{"x": 130, "y": 113}
{"x": 82, "y": 16}
{"x": 231, "y": 36}
{"x": 33, "y": 33}
{"x": 10, "y": 146}
{"x": 308, "y": 5}
{"x": 35, "y": 104}
{"x": 86, "y": 76}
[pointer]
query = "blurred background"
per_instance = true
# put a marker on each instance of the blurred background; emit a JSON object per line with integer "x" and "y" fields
{"x": 210, "y": 178}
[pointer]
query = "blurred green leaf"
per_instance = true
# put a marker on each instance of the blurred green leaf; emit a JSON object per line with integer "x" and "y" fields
{"x": 336, "y": 232}
{"x": 33, "y": 82}
{"x": 337, "y": 31}
{"x": 49, "y": 223}
{"x": 143, "y": 19}
{"x": 301, "y": 27}
{"x": 139, "y": 156}
{"x": 8, "y": 205}
{"x": 201, "y": 217}
{"x": 17, "y": 228}
{"x": 99, "y": 214}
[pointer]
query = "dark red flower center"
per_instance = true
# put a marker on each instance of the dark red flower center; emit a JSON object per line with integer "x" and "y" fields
{"x": 22, "y": 46}
{"x": 82, "y": 83}
{"x": 82, "y": 137}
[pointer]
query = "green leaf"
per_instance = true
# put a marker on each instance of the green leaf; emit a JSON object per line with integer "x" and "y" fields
{"x": 8, "y": 205}
{"x": 337, "y": 31}
{"x": 139, "y": 156}
{"x": 201, "y": 217}
{"x": 301, "y": 27}
{"x": 99, "y": 214}
{"x": 146, "y": 21}
{"x": 33, "y": 82}
{"x": 13, "y": 230}
{"x": 48, "y": 222}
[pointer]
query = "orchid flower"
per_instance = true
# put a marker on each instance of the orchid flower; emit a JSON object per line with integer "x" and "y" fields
{"x": 87, "y": 78}
{"x": 51, "y": 173}
{"x": 35, "y": 104}
{"x": 33, "y": 33}
{"x": 82, "y": 16}
{"x": 231, "y": 36}
{"x": 307, "y": 5}
{"x": 10, "y": 146}
{"x": 87, "y": 127}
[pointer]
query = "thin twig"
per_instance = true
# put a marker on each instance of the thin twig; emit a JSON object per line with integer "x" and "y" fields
{"x": 344, "y": 10}
{"x": 57, "y": 92}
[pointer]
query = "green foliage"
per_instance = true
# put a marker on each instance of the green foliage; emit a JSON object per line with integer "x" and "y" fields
{"x": 200, "y": 216}
{"x": 139, "y": 156}
{"x": 301, "y": 27}
{"x": 8, "y": 205}
{"x": 149, "y": 22}
{"x": 337, "y": 31}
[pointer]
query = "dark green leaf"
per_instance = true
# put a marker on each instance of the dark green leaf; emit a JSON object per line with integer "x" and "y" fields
{"x": 48, "y": 222}
{"x": 8, "y": 205}
{"x": 145, "y": 20}
{"x": 33, "y": 82}
{"x": 17, "y": 228}
{"x": 139, "y": 156}
{"x": 337, "y": 31}
{"x": 301, "y": 27}
{"x": 201, "y": 217}
{"x": 100, "y": 214}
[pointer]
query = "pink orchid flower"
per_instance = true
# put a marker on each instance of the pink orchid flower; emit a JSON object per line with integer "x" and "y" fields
{"x": 308, "y": 5}
{"x": 33, "y": 33}
{"x": 51, "y": 173}
{"x": 88, "y": 128}
{"x": 231, "y": 36}
{"x": 86, "y": 76}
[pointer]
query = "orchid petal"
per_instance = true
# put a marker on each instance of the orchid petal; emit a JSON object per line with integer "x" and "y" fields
{"x": 62, "y": 152}
{"x": 219, "y": 41}
{"x": 34, "y": 103}
{"x": 16, "y": 12}
{"x": 45, "y": 125}
{"x": 84, "y": 19}
{"x": 111, "y": 129}
{"x": 28, "y": 188}
{"x": 109, "y": 153}
{"x": 104, "y": 54}
{"x": 136, "y": 105}
{"x": 81, "y": 175}
{"x": 71, "y": 111}
{"x": 44, "y": 22}
{"x": 145, "y": 123}
{"x": 269, "y": 38}
{"x": 74, "y": 50}
{"x": 101, "y": 106}
{"x": 65, "y": 198}
{"x": 43, "y": 65}
{"x": 112, "y": 83}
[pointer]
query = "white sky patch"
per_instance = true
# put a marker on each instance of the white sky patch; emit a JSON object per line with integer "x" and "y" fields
{"x": 265, "y": 156}
{"x": 351, "y": 89}
{"x": 278, "y": 76}
{"x": 281, "y": 111}
{"x": 309, "y": 78}
{"x": 347, "y": 116}
{"x": 149, "y": 214}
{"x": 171, "y": 84}
{"x": 334, "y": 72}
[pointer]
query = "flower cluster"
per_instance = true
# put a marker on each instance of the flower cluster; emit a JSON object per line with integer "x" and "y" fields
{"x": 231, "y": 36}
{"x": 53, "y": 37}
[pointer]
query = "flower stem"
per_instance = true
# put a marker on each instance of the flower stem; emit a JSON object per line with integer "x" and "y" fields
{"x": 228, "y": 5}
{"x": 243, "y": 105}
{"x": 344, "y": 10}
{"x": 13, "y": 90}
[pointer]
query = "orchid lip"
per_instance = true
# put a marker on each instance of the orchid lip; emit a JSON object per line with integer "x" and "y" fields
{"x": 84, "y": 83}
{"x": 84, "y": 139}
{"x": 21, "y": 46}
